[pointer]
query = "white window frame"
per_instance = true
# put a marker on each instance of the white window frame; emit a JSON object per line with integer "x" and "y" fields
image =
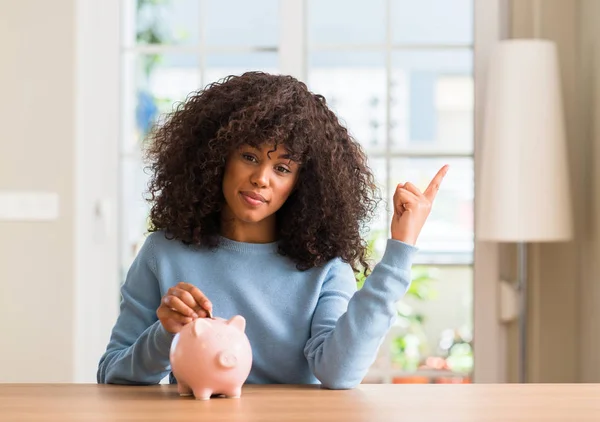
{"x": 490, "y": 345}
{"x": 97, "y": 123}
{"x": 97, "y": 154}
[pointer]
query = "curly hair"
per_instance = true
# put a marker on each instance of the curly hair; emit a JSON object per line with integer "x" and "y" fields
{"x": 335, "y": 195}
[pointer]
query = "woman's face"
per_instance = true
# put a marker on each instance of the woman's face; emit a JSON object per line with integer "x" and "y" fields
{"x": 257, "y": 182}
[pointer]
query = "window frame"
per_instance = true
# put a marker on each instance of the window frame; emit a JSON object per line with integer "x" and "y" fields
{"x": 96, "y": 209}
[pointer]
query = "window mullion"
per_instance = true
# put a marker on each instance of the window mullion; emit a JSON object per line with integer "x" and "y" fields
{"x": 202, "y": 43}
{"x": 292, "y": 43}
{"x": 388, "y": 112}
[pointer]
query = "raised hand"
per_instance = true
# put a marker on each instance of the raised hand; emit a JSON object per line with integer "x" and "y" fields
{"x": 411, "y": 208}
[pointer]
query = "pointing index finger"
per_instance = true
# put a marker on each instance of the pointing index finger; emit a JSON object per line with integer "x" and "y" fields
{"x": 434, "y": 186}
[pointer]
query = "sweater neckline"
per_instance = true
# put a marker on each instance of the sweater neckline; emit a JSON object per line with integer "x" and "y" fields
{"x": 245, "y": 247}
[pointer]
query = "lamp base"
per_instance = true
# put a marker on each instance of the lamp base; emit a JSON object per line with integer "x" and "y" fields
{"x": 522, "y": 289}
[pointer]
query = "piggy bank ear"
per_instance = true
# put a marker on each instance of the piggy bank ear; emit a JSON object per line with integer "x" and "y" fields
{"x": 200, "y": 325}
{"x": 238, "y": 322}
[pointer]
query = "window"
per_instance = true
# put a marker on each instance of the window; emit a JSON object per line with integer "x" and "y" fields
{"x": 171, "y": 48}
{"x": 398, "y": 73}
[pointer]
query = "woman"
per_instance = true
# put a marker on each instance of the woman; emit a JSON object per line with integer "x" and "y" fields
{"x": 259, "y": 196}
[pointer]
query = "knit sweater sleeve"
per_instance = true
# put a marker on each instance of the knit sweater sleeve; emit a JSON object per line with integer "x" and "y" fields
{"x": 138, "y": 350}
{"x": 349, "y": 326}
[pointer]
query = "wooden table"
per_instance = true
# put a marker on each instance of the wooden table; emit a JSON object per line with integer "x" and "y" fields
{"x": 465, "y": 403}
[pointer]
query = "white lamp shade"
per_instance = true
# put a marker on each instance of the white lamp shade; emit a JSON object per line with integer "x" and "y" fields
{"x": 523, "y": 189}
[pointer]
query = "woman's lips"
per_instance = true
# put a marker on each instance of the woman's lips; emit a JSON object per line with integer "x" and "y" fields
{"x": 252, "y": 198}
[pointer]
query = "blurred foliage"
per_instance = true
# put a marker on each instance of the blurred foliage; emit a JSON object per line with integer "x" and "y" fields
{"x": 411, "y": 347}
{"x": 150, "y": 30}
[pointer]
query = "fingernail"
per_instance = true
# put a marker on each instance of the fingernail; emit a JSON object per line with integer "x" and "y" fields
{"x": 195, "y": 315}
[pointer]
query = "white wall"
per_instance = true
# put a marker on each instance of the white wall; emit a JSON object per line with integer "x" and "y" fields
{"x": 59, "y": 79}
{"x": 96, "y": 179}
{"x": 36, "y": 154}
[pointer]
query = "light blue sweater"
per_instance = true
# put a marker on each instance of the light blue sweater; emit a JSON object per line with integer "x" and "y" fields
{"x": 304, "y": 327}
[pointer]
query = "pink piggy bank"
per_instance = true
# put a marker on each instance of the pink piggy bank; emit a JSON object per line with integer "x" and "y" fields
{"x": 211, "y": 356}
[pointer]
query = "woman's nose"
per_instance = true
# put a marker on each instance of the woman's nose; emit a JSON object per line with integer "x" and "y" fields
{"x": 260, "y": 177}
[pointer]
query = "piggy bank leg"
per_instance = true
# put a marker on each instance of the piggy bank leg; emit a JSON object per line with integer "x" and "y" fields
{"x": 183, "y": 389}
{"x": 202, "y": 393}
{"x": 236, "y": 393}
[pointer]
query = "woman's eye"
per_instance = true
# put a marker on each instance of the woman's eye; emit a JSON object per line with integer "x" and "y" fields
{"x": 282, "y": 169}
{"x": 249, "y": 157}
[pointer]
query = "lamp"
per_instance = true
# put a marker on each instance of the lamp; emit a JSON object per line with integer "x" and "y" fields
{"x": 523, "y": 190}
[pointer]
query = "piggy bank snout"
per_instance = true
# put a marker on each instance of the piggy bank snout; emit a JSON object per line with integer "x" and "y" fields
{"x": 227, "y": 359}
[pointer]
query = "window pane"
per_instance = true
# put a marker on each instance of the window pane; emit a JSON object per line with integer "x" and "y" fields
{"x": 378, "y": 231}
{"x": 432, "y": 21}
{"x": 346, "y": 22}
{"x": 167, "y": 22}
{"x": 219, "y": 66}
{"x": 432, "y": 101}
{"x": 134, "y": 210}
{"x": 354, "y": 86}
{"x": 434, "y": 329}
{"x": 154, "y": 83}
{"x": 448, "y": 234}
{"x": 241, "y": 23}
